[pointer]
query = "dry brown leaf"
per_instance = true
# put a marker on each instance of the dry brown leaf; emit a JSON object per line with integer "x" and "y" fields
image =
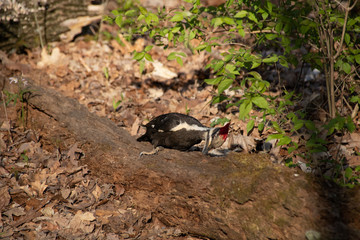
{"x": 161, "y": 72}
{"x": 135, "y": 127}
{"x": 353, "y": 161}
{"x": 97, "y": 192}
{"x": 245, "y": 142}
{"x": 56, "y": 58}
{"x": 48, "y": 211}
{"x": 5, "y": 126}
{"x": 39, "y": 187}
{"x": 15, "y": 210}
{"x": 3, "y": 145}
{"x": 5, "y": 198}
{"x": 65, "y": 193}
{"x": 82, "y": 221}
{"x": 72, "y": 154}
{"x": 119, "y": 189}
{"x": 28, "y": 190}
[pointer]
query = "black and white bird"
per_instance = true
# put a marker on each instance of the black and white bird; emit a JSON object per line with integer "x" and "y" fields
{"x": 181, "y": 132}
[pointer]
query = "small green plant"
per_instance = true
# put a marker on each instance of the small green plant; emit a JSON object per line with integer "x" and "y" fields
{"x": 106, "y": 73}
{"x": 351, "y": 177}
{"x": 24, "y": 157}
{"x": 20, "y": 96}
{"x": 115, "y": 104}
{"x": 125, "y": 17}
{"x": 220, "y": 121}
{"x": 187, "y": 110}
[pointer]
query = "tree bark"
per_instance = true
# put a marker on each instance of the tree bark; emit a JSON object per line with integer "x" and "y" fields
{"x": 29, "y": 23}
{"x": 240, "y": 196}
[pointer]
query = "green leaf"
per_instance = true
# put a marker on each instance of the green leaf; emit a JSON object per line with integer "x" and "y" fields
{"x": 357, "y": 58}
{"x": 148, "y": 19}
{"x": 228, "y": 57}
{"x": 261, "y": 126}
{"x": 255, "y": 64}
{"x": 231, "y": 68}
{"x": 118, "y": 20}
{"x": 250, "y": 126}
{"x": 192, "y": 35}
{"x": 201, "y": 47}
{"x": 276, "y": 126}
{"x": 141, "y": 17}
{"x": 241, "y": 32}
{"x": 255, "y": 74}
{"x": 179, "y": 60}
{"x": 260, "y": 102}
{"x": 139, "y": 56}
{"x": 244, "y": 109}
{"x": 217, "y": 21}
{"x": 350, "y": 124}
{"x": 218, "y": 65}
{"x": 170, "y": 36}
{"x": 310, "y": 125}
{"x": 153, "y": 18}
{"x": 241, "y": 14}
{"x": 143, "y": 10}
{"x": 285, "y": 140}
{"x": 228, "y": 21}
{"x": 171, "y": 56}
{"x": 279, "y": 27}
{"x": 348, "y": 172}
{"x": 177, "y": 17}
{"x": 298, "y": 124}
{"x": 130, "y": 12}
{"x": 148, "y": 48}
{"x": 208, "y": 49}
{"x": 142, "y": 66}
{"x": 271, "y": 59}
{"x": 224, "y": 84}
{"x": 148, "y": 57}
{"x": 271, "y": 36}
{"x": 347, "y": 38}
{"x": 274, "y": 136}
{"x": 264, "y": 15}
{"x": 346, "y": 67}
{"x": 175, "y": 29}
{"x": 252, "y": 17}
{"x": 213, "y": 81}
{"x": 355, "y": 99}
{"x": 283, "y": 62}
{"x": 181, "y": 54}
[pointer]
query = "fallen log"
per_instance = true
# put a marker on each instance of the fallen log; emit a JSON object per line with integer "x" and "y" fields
{"x": 240, "y": 196}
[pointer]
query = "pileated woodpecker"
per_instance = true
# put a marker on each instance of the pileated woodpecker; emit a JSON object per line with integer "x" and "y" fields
{"x": 181, "y": 132}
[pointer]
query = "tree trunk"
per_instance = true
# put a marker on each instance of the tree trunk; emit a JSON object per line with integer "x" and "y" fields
{"x": 27, "y": 23}
{"x": 240, "y": 196}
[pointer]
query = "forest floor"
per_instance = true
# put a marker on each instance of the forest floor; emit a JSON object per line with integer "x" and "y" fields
{"x": 47, "y": 194}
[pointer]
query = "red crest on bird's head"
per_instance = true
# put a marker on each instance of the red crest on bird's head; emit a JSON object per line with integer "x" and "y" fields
{"x": 224, "y": 131}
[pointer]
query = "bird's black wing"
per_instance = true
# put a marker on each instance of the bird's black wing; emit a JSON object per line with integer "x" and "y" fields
{"x": 167, "y": 122}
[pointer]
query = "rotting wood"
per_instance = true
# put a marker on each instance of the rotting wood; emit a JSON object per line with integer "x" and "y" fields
{"x": 240, "y": 196}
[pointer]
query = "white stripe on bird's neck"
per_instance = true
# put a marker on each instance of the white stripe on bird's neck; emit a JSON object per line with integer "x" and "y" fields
{"x": 188, "y": 127}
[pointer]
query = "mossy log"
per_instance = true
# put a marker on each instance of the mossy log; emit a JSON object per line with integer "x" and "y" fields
{"x": 240, "y": 196}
